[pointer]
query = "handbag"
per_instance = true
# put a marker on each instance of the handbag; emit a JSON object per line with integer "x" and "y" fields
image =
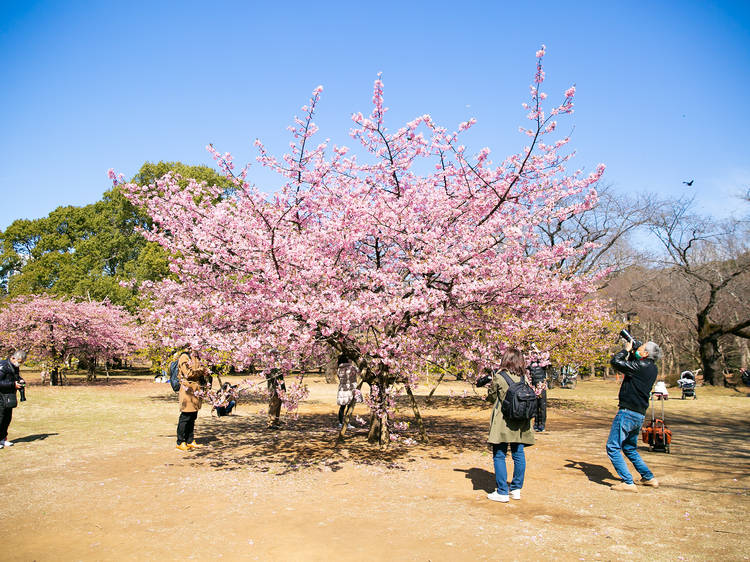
{"x": 9, "y": 400}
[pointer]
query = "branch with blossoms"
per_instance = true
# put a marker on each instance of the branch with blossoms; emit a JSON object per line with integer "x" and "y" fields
{"x": 365, "y": 252}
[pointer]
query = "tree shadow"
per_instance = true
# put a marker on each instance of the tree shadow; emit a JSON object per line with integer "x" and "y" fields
{"x": 481, "y": 479}
{"x": 35, "y": 437}
{"x": 310, "y": 442}
{"x": 594, "y": 472}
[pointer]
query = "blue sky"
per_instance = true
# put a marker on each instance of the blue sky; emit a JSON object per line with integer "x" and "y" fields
{"x": 662, "y": 87}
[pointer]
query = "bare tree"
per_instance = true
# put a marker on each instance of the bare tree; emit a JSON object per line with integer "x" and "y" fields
{"x": 705, "y": 279}
{"x": 605, "y": 228}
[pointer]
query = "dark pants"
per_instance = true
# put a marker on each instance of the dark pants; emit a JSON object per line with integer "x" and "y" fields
{"x": 541, "y": 411}
{"x": 186, "y": 427}
{"x": 342, "y": 411}
{"x": 225, "y": 410}
{"x": 5, "y": 417}
{"x": 274, "y": 409}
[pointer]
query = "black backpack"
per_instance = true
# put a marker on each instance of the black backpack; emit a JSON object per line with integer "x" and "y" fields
{"x": 173, "y": 372}
{"x": 520, "y": 401}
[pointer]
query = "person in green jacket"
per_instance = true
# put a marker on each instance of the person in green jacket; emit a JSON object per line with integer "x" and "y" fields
{"x": 508, "y": 433}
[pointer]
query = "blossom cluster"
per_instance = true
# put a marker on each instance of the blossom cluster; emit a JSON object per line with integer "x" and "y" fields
{"x": 395, "y": 251}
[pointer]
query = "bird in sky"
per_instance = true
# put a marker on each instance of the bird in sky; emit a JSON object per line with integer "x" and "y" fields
{"x": 689, "y": 183}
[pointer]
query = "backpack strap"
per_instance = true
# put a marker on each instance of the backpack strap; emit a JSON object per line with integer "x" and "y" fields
{"x": 507, "y": 378}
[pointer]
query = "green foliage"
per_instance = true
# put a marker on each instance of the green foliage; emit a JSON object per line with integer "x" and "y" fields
{"x": 88, "y": 251}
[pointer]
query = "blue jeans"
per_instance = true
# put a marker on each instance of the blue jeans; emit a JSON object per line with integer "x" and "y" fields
{"x": 501, "y": 473}
{"x": 624, "y": 437}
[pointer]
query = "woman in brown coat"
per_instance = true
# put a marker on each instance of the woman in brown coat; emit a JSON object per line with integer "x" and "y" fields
{"x": 192, "y": 378}
{"x": 508, "y": 433}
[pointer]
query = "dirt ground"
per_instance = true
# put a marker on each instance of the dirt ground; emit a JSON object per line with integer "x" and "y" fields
{"x": 94, "y": 475}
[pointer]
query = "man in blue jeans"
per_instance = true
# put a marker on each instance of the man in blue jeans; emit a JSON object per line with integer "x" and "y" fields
{"x": 639, "y": 370}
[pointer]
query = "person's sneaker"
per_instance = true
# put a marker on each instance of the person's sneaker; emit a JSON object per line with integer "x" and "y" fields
{"x": 194, "y": 445}
{"x": 654, "y": 483}
{"x": 515, "y": 494}
{"x": 183, "y": 447}
{"x": 495, "y": 497}
{"x": 623, "y": 487}
{"x": 6, "y": 443}
{"x": 1, "y": 446}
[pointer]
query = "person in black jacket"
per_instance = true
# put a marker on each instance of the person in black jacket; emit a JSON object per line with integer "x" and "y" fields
{"x": 639, "y": 370}
{"x": 539, "y": 380}
{"x": 10, "y": 382}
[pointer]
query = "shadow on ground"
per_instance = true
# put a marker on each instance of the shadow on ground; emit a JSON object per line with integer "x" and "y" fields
{"x": 237, "y": 442}
{"x": 480, "y": 479}
{"x": 594, "y": 472}
{"x": 35, "y": 437}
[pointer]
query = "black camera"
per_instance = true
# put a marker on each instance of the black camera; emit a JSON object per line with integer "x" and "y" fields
{"x": 485, "y": 379}
{"x": 22, "y": 390}
{"x": 624, "y": 334}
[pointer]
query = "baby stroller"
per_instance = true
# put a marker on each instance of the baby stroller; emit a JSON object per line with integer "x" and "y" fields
{"x": 656, "y": 434}
{"x": 687, "y": 384}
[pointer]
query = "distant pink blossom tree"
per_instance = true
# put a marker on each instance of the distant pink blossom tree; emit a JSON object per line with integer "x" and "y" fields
{"x": 53, "y": 330}
{"x": 390, "y": 254}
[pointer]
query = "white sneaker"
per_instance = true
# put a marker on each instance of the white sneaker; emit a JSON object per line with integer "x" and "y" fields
{"x": 495, "y": 497}
{"x": 6, "y": 443}
{"x": 515, "y": 494}
{"x": 1, "y": 446}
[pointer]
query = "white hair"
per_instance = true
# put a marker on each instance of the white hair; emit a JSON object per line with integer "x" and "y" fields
{"x": 653, "y": 350}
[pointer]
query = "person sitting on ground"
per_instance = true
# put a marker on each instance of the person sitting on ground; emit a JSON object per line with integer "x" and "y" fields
{"x": 639, "y": 370}
{"x": 193, "y": 379}
{"x": 347, "y": 372}
{"x": 227, "y": 400}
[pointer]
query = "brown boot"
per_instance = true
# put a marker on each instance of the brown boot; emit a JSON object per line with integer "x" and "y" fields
{"x": 623, "y": 487}
{"x": 654, "y": 483}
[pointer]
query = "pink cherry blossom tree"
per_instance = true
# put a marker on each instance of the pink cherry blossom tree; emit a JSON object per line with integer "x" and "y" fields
{"x": 54, "y": 330}
{"x": 390, "y": 253}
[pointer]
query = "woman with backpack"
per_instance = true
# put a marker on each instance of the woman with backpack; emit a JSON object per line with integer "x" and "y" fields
{"x": 507, "y": 431}
{"x": 193, "y": 378}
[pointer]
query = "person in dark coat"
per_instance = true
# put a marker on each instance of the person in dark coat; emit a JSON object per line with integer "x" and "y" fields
{"x": 276, "y": 386}
{"x": 539, "y": 381}
{"x": 639, "y": 374}
{"x": 10, "y": 383}
{"x": 504, "y": 434}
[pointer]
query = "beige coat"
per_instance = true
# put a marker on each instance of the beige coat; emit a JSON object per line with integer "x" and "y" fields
{"x": 191, "y": 374}
{"x": 502, "y": 430}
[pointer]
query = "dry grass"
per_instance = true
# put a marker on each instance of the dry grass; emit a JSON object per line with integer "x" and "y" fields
{"x": 94, "y": 475}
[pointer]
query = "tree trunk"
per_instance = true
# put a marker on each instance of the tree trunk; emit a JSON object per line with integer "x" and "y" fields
{"x": 434, "y": 388}
{"x": 54, "y": 377}
{"x": 331, "y": 366}
{"x": 711, "y": 361}
{"x": 420, "y": 424}
{"x": 379, "y": 420}
{"x": 744, "y": 352}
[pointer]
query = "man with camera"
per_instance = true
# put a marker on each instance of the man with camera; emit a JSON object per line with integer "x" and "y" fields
{"x": 639, "y": 374}
{"x": 10, "y": 382}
